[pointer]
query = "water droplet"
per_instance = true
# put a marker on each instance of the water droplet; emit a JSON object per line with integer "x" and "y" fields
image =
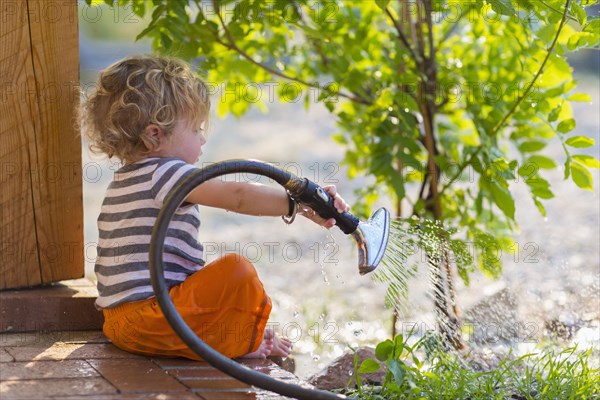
{"x": 296, "y": 314}
{"x": 350, "y": 373}
{"x": 358, "y": 332}
{"x": 322, "y": 317}
{"x": 316, "y": 358}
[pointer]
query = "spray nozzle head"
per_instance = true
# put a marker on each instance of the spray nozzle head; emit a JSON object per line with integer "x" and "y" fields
{"x": 371, "y": 237}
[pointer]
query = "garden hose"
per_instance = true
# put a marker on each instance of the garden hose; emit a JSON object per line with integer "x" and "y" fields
{"x": 189, "y": 337}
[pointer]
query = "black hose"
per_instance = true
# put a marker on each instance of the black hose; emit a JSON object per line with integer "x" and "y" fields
{"x": 216, "y": 359}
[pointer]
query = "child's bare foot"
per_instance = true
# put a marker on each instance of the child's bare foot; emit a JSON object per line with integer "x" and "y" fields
{"x": 263, "y": 351}
{"x": 282, "y": 347}
{"x": 272, "y": 345}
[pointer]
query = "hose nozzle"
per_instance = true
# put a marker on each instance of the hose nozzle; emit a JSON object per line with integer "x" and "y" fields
{"x": 371, "y": 235}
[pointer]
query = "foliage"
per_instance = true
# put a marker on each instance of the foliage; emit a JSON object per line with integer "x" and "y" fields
{"x": 447, "y": 104}
{"x": 424, "y": 371}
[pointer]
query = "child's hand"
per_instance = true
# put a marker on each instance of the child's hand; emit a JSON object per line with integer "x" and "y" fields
{"x": 339, "y": 203}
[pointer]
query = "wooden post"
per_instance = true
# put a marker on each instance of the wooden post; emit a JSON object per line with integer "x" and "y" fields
{"x": 41, "y": 202}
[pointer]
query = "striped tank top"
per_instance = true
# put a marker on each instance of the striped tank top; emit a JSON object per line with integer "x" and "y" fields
{"x": 130, "y": 207}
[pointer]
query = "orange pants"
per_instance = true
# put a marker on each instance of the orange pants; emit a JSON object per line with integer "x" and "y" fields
{"x": 224, "y": 303}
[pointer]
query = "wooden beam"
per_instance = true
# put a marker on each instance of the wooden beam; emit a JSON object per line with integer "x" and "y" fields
{"x": 19, "y": 261}
{"x": 57, "y": 194}
{"x": 42, "y": 208}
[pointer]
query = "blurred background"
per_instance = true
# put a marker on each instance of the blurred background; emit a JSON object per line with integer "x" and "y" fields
{"x": 320, "y": 301}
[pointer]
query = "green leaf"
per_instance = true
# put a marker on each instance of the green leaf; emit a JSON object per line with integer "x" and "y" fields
{"x": 581, "y": 39}
{"x": 165, "y": 41}
{"x": 580, "y": 97}
{"x": 593, "y": 26}
{"x": 386, "y": 98}
{"x": 398, "y": 344}
{"x": 382, "y": 4}
{"x": 384, "y": 350}
{"x": 139, "y": 8}
{"x": 553, "y": 116}
{"x": 396, "y": 367}
{"x": 315, "y": 33}
{"x": 579, "y": 12}
{"x": 503, "y": 7}
{"x": 586, "y": 160}
{"x": 566, "y": 126}
{"x": 580, "y": 141}
{"x": 581, "y": 176}
{"x": 368, "y": 366}
{"x": 542, "y": 193}
{"x": 503, "y": 200}
{"x": 145, "y": 32}
{"x": 542, "y": 162}
{"x": 540, "y": 206}
{"x": 568, "y": 168}
{"x": 531, "y": 146}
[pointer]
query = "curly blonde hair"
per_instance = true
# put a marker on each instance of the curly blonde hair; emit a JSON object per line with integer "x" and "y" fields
{"x": 136, "y": 92}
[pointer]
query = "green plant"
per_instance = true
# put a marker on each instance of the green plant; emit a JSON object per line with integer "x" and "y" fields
{"x": 446, "y": 104}
{"x": 424, "y": 370}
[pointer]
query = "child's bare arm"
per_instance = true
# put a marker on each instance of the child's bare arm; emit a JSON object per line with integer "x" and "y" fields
{"x": 255, "y": 199}
{"x": 241, "y": 197}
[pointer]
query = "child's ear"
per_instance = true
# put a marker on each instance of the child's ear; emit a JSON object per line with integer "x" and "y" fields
{"x": 153, "y": 137}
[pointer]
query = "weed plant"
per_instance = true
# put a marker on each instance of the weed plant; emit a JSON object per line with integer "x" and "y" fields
{"x": 425, "y": 370}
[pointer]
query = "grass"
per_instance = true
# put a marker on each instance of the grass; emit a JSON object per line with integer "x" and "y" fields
{"x": 425, "y": 371}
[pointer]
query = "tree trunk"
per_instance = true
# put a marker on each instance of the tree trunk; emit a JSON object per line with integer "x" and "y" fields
{"x": 448, "y": 322}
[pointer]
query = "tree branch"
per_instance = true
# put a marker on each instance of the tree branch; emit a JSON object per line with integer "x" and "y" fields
{"x": 319, "y": 50}
{"x": 517, "y": 103}
{"x": 420, "y": 40}
{"x": 449, "y": 32}
{"x": 432, "y": 65}
{"x": 402, "y": 37}
{"x": 233, "y": 46}
{"x": 312, "y": 41}
{"x": 537, "y": 75}
{"x": 573, "y": 19}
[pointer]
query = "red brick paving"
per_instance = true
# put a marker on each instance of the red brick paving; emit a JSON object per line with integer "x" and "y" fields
{"x": 49, "y": 388}
{"x": 5, "y": 357}
{"x": 84, "y": 365}
{"x": 12, "y": 371}
{"x": 228, "y": 395}
{"x": 67, "y": 351}
{"x": 137, "y": 375}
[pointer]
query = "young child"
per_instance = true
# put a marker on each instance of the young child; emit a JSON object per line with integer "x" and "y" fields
{"x": 149, "y": 112}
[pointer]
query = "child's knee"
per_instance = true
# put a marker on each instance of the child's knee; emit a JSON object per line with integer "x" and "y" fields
{"x": 238, "y": 267}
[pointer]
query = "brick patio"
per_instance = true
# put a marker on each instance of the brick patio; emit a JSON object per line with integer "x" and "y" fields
{"x": 84, "y": 365}
{"x": 79, "y": 362}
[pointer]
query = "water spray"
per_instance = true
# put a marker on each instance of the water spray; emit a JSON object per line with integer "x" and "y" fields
{"x": 371, "y": 237}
